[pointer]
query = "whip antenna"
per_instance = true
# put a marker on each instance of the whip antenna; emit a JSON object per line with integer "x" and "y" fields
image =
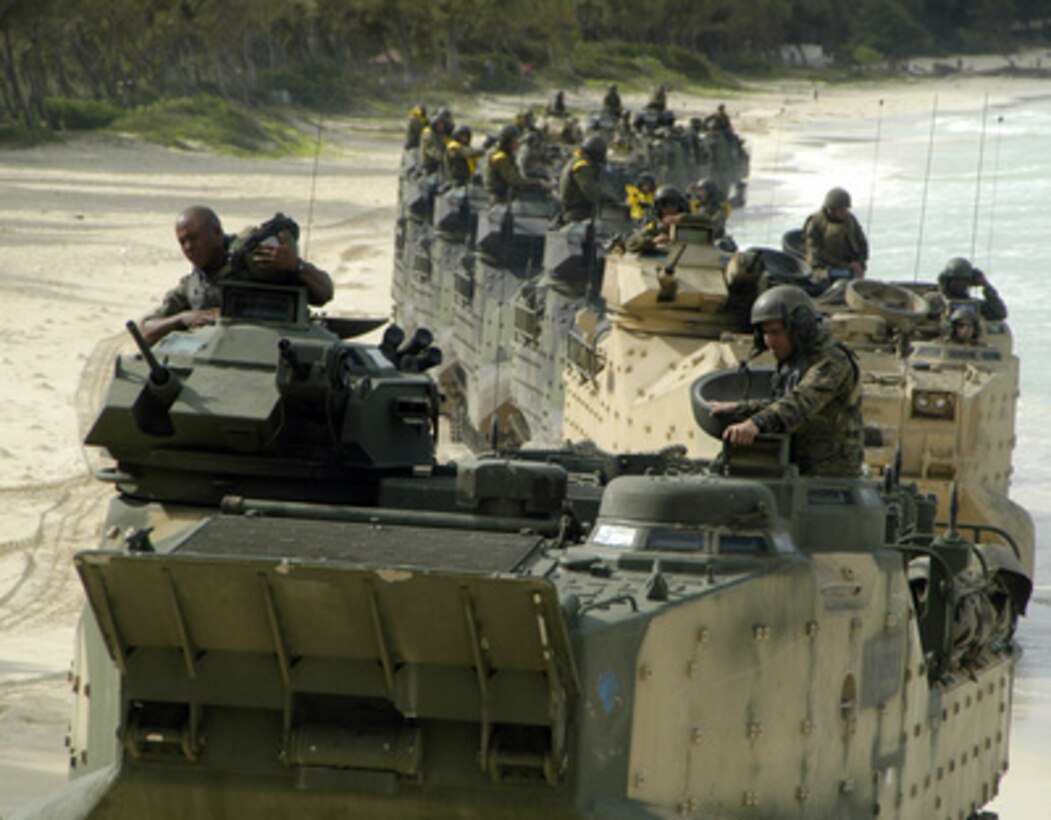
{"x": 978, "y": 183}
{"x": 996, "y": 177}
{"x": 926, "y": 187}
{"x": 313, "y": 190}
{"x": 875, "y": 161}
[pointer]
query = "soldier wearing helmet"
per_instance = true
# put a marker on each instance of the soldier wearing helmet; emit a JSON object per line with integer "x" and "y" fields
{"x": 817, "y": 388}
{"x": 956, "y": 281}
{"x": 669, "y": 205}
{"x": 707, "y": 199}
{"x": 611, "y": 104}
{"x": 640, "y": 195}
{"x": 502, "y": 177}
{"x": 433, "y": 141}
{"x": 557, "y": 106}
{"x": 658, "y": 100}
{"x": 194, "y": 302}
{"x": 835, "y": 242}
{"x": 963, "y": 326}
{"x": 414, "y": 128}
{"x": 461, "y": 157}
{"x": 580, "y": 183}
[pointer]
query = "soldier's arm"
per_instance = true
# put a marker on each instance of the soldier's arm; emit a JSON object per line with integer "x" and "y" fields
{"x": 815, "y": 242}
{"x": 993, "y": 307}
{"x": 818, "y": 387}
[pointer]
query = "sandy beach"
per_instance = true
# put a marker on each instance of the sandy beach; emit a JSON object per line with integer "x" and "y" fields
{"x": 86, "y": 242}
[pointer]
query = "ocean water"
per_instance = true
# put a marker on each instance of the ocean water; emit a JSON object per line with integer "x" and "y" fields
{"x": 973, "y": 182}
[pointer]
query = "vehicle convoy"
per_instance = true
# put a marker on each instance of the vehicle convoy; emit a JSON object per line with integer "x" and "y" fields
{"x": 295, "y": 610}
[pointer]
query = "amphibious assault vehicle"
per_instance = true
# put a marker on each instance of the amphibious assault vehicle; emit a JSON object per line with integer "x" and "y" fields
{"x": 295, "y": 610}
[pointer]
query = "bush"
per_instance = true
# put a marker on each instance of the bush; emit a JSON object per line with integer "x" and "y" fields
{"x": 81, "y": 115}
{"x": 211, "y": 121}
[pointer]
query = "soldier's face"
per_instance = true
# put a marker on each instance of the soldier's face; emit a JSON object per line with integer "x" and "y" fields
{"x": 202, "y": 244}
{"x": 777, "y": 340}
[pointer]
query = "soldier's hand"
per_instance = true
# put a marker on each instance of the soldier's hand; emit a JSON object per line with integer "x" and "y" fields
{"x": 279, "y": 257}
{"x": 978, "y": 277}
{"x": 742, "y": 434}
{"x": 192, "y": 319}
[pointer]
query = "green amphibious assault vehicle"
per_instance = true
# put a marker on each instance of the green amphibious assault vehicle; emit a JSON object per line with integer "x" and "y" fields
{"x": 296, "y": 611}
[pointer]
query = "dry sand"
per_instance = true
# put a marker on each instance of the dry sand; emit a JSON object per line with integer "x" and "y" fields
{"x": 86, "y": 242}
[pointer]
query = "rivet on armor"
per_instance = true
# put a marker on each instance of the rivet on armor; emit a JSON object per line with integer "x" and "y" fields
{"x": 812, "y": 628}
{"x": 695, "y": 736}
{"x": 645, "y": 671}
{"x": 691, "y": 669}
{"x": 807, "y": 727}
{"x": 802, "y": 793}
{"x": 639, "y": 779}
{"x": 703, "y": 635}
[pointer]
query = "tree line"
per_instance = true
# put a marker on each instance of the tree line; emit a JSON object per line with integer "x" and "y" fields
{"x": 124, "y": 53}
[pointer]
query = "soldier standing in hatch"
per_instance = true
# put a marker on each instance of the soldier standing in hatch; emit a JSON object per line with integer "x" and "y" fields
{"x": 817, "y": 388}
{"x": 194, "y": 302}
{"x": 611, "y": 104}
{"x": 835, "y": 240}
{"x": 955, "y": 283}
{"x": 502, "y": 177}
{"x": 580, "y": 184}
{"x": 658, "y": 100}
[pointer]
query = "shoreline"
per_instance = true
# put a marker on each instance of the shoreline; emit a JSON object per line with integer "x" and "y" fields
{"x": 86, "y": 235}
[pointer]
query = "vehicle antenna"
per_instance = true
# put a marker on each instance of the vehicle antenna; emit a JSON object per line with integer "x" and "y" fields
{"x": 926, "y": 188}
{"x": 776, "y": 175}
{"x": 978, "y": 181}
{"x": 875, "y": 161}
{"x": 996, "y": 178}
{"x": 313, "y": 189}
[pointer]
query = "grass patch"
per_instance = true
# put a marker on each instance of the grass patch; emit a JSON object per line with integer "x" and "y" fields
{"x": 18, "y": 136}
{"x": 81, "y": 115}
{"x": 207, "y": 121}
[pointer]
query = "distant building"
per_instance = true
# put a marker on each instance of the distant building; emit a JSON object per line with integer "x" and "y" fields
{"x": 805, "y": 55}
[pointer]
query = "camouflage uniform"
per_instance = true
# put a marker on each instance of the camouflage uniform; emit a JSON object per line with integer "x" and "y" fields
{"x": 817, "y": 398}
{"x": 834, "y": 244}
{"x": 197, "y": 290}
{"x": 644, "y": 240}
{"x": 432, "y": 150}
{"x": 611, "y": 102}
{"x": 580, "y": 187}
{"x": 502, "y": 177}
{"x": 460, "y": 162}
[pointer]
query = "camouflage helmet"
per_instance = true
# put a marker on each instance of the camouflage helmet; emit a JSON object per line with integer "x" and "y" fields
{"x": 595, "y": 148}
{"x": 790, "y": 305}
{"x": 710, "y": 188}
{"x": 507, "y": 134}
{"x": 670, "y": 196}
{"x": 958, "y": 267}
{"x": 462, "y": 134}
{"x": 966, "y": 314}
{"x": 648, "y": 179}
{"x": 837, "y": 198}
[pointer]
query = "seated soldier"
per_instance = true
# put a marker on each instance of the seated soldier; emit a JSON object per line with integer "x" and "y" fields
{"x": 194, "y": 302}
{"x": 461, "y": 157}
{"x": 835, "y": 241}
{"x": 955, "y": 283}
{"x": 669, "y": 205}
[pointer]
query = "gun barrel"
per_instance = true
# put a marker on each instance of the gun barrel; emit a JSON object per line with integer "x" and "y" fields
{"x": 159, "y": 374}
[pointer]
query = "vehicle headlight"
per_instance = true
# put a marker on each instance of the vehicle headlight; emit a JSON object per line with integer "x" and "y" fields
{"x": 934, "y": 404}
